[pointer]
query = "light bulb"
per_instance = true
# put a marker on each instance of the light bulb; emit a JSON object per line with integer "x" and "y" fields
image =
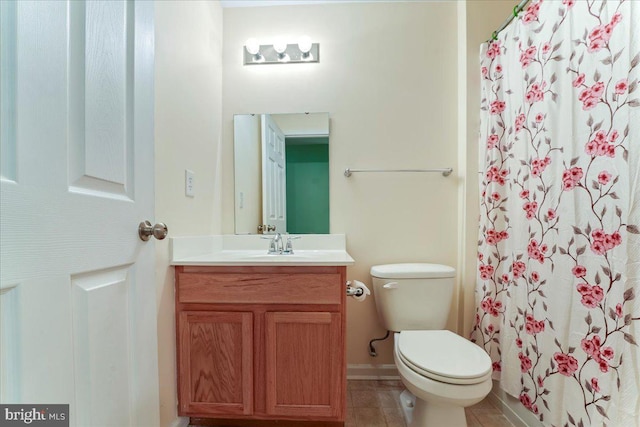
{"x": 304, "y": 44}
{"x": 252, "y": 46}
{"x": 280, "y": 45}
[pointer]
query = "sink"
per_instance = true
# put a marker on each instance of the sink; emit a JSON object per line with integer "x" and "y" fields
{"x": 233, "y": 250}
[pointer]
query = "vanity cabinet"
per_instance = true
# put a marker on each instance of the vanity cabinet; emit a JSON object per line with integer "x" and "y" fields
{"x": 256, "y": 345}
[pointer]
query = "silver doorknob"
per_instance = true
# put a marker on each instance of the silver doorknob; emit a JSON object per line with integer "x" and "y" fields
{"x": 146, "y": 230}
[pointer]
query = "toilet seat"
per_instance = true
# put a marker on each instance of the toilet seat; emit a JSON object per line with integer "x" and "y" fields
{"x": 444, "y": 356}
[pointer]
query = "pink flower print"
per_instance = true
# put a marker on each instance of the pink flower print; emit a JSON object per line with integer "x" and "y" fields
{"x": 535, "y": 276}
{"x": 484, "y": 71}
{"x": 495, "y": 196}
{"x": 486, "y": 271}
{"x": 551, "y": 214}
{"x": 535, "y": 251}
{"x": 540, "y": 381}
{"x": 525, "y": 400}
{"x": 528, "y": 18}
{"x": 589, "y": 103}
{"x": 598, "y": 234}
{"x": 568, "y": 3}
{"x": 505, "y": 277}
{"x": 621, "y": 87}
{"x": 619, "y": 310}
{"x": 539, "y": 117}
{"x": 518, "y": 342}
{"x": 496, "y": 367}
{"x": 546, "y": 48}
{"x": 591, "y": 148}
{"x": 489, "y": 328}
{"x": 535, "y": 93}
{"x": 532, "y": 13}
{"x": 539, "y": 165}
{"x": 597, "y": 89}
{"x": 525, "y": 362}
{"x": 579, "y": 271}
{"x": 604, "y": 177}
{"x": 490, "y": 306}
{"x": 613, "y": 136}
{"x": 603, "y": 242}
{"x": 590, "y": 347}
{"x": 530, "y": 208}
{"x": 571, "y": 177}
{"x": 519, "y": 123}
{"x": 598, "y": 247}
{"x": 524, "y": 194}
{"x": 527, "y": 56}
{"x": 617, "y": 238}
{"x": 594, "y": 385}
{"x": 498, "y": 68}
{"x": 607, "y": 353}
{"x": 497, "y": 107}
{"x": 591, "y": 295}
{"x": 518, "y": 269}
{"x": 497, "y": 175}
{"x": 616, "y": 18}
{"x": 584, "y": 94}
{"x": 595, "y": 45}
{"x": 533, "y": 326}
{"x": 494, "y": 49}
{"x": 567, "y": 364}
{"x": 578, "y": 81}
{"x": 492, "y": 140}
{"x": 604, "y": 366}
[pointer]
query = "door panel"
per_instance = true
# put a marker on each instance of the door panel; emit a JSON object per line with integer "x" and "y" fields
{"x": 274, "y": 185}
{"x": 101, "y": 63}
{"x": 76, "y": 284}
{"x": 216, "y": 362}
{"x": 303, "y": 357}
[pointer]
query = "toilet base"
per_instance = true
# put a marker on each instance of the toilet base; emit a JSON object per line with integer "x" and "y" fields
{"x": 420, "y": 413}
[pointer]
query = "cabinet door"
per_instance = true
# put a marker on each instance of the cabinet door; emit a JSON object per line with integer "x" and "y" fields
{"x": 216, "y": 363}
{"x": 304, "y": 364}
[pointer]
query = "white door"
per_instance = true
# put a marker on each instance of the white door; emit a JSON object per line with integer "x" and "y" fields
{"x": 78, "y": 303}
{"x": 274, "y": 176}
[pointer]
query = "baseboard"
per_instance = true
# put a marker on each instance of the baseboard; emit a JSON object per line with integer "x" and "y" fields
{"x": 180, "y": 422}
{"x": 512, "y": 408}
{"x": 372, "y": 372}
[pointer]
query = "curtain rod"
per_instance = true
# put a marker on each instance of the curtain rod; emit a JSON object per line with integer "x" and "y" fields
{"x": 517, "y": 9}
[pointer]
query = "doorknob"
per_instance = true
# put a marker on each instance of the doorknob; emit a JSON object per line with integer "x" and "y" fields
{"x": 146, "y": 230}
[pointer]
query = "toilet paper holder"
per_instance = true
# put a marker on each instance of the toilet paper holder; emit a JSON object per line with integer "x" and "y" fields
{"x": 354, "y": 292}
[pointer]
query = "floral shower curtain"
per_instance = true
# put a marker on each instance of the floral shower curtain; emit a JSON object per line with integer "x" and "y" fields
{"x": 558, "y": 287}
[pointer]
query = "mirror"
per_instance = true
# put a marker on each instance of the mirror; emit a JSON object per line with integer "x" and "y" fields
{"x": 281, "y": 167}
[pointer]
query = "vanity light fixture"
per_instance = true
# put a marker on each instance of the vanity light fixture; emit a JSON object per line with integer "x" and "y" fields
{"x": 280, "y": 52}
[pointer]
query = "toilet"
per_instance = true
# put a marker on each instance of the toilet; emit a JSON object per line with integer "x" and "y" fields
{"x": 443, "y": 372}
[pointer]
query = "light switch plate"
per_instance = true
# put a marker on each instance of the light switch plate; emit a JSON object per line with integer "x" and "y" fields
{"x": 189, "y": 183}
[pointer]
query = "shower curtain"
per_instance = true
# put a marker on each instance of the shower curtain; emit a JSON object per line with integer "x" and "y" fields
{"x": 558, "y": 286}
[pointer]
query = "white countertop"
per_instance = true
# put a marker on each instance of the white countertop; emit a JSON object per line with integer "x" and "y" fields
{"x": 251, "y": 250}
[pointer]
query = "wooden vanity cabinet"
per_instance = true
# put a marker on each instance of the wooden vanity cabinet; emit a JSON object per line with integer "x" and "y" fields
{"x": 261, "y": 343}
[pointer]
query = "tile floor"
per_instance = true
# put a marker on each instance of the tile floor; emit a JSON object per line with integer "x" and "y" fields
{"x": 376, "y": 404}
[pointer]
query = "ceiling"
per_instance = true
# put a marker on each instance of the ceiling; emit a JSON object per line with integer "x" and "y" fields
{"x": 262, "y": 3}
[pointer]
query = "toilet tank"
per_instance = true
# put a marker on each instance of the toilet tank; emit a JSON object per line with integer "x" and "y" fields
{"x": 413, "y": 296}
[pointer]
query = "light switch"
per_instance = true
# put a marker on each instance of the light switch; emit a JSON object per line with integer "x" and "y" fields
{"x": 189, "y": 183}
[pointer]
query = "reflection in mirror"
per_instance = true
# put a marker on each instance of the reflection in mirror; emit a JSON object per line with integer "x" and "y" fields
{"x": 281, "y": 164}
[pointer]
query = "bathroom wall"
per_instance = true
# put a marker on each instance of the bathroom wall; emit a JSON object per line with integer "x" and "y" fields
{"x": 188, "y": 110}
{"x": 388, "y": 78}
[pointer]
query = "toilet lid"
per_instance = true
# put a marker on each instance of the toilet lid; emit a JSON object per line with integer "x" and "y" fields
{"x": 444, "y": 356}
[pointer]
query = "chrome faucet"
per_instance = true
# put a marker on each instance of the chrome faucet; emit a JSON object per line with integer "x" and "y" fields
{"x": 281, "y": 244}
{"x": 275, "y": 244}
